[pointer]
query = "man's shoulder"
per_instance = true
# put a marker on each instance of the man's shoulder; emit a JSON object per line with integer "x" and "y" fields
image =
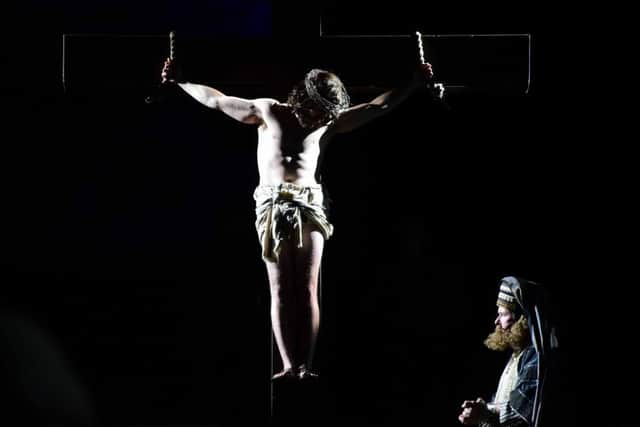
{"x": 529, "y": 356}
{"x": 529, "y": 352}
{"x": 267, "y": 103}
{"x": 269, "y": 107}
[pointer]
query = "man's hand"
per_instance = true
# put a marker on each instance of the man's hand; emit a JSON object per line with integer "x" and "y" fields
{"x": 171, "y": 72}
{"x": 423, "y": 77}
{"x": 427, "y": 70}
{"x": 424, "y": 74}
{"x": 473, "y": 412}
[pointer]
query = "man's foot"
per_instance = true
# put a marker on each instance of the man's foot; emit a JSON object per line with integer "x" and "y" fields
{"x": 306, "y": 374}
{"x": 288, "y": 373}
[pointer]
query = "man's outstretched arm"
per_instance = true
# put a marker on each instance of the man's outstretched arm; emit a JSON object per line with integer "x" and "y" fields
{"x": 247, "y": 111}
{"x": 361, "y": 114}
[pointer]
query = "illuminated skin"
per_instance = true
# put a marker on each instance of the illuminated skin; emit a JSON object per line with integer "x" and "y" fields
{"x": 505, "y": 319}
{"x": 290, "y": 142}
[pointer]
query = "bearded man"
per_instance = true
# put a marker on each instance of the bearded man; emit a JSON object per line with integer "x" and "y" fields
{"x": 522, "y": 328}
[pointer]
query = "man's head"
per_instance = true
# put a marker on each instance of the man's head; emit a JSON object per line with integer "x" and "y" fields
{"x": 512, "y": 328}
{"x": 319, "y": 98}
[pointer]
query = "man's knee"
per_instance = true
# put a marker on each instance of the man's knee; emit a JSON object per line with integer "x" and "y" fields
{"x": 308, "y": 290}
{"x": 285, "y": 294}
{"x": 282, "y": 289}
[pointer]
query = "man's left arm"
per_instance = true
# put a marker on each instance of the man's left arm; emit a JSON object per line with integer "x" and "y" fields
{"x": 354, "y": 117}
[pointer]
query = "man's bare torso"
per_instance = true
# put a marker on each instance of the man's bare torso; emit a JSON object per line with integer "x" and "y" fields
{"x": 287, "y": 152}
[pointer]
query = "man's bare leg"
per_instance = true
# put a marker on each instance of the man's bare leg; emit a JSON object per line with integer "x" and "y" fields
{"x": 307, "y": 266}
{"x": 283, "y": 316}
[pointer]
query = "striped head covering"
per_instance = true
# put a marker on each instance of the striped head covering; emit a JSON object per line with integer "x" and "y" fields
{"x": 506, "y": 294}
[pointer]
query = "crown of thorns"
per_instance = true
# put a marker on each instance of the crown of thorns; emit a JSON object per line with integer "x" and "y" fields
{"x": 332, "y": 108}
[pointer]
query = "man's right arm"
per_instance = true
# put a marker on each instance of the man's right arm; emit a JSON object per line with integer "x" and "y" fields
{"x": 249, "y": 111}
{"x": 243, "y": 110}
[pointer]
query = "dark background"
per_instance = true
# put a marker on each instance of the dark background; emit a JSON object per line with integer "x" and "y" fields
{"x": 129, "y": 267}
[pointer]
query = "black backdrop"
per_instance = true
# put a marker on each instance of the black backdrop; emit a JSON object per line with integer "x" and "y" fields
{"x": 128, "y": 242}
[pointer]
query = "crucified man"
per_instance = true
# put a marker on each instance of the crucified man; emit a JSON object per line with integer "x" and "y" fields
{"x": 291, "y": 220}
